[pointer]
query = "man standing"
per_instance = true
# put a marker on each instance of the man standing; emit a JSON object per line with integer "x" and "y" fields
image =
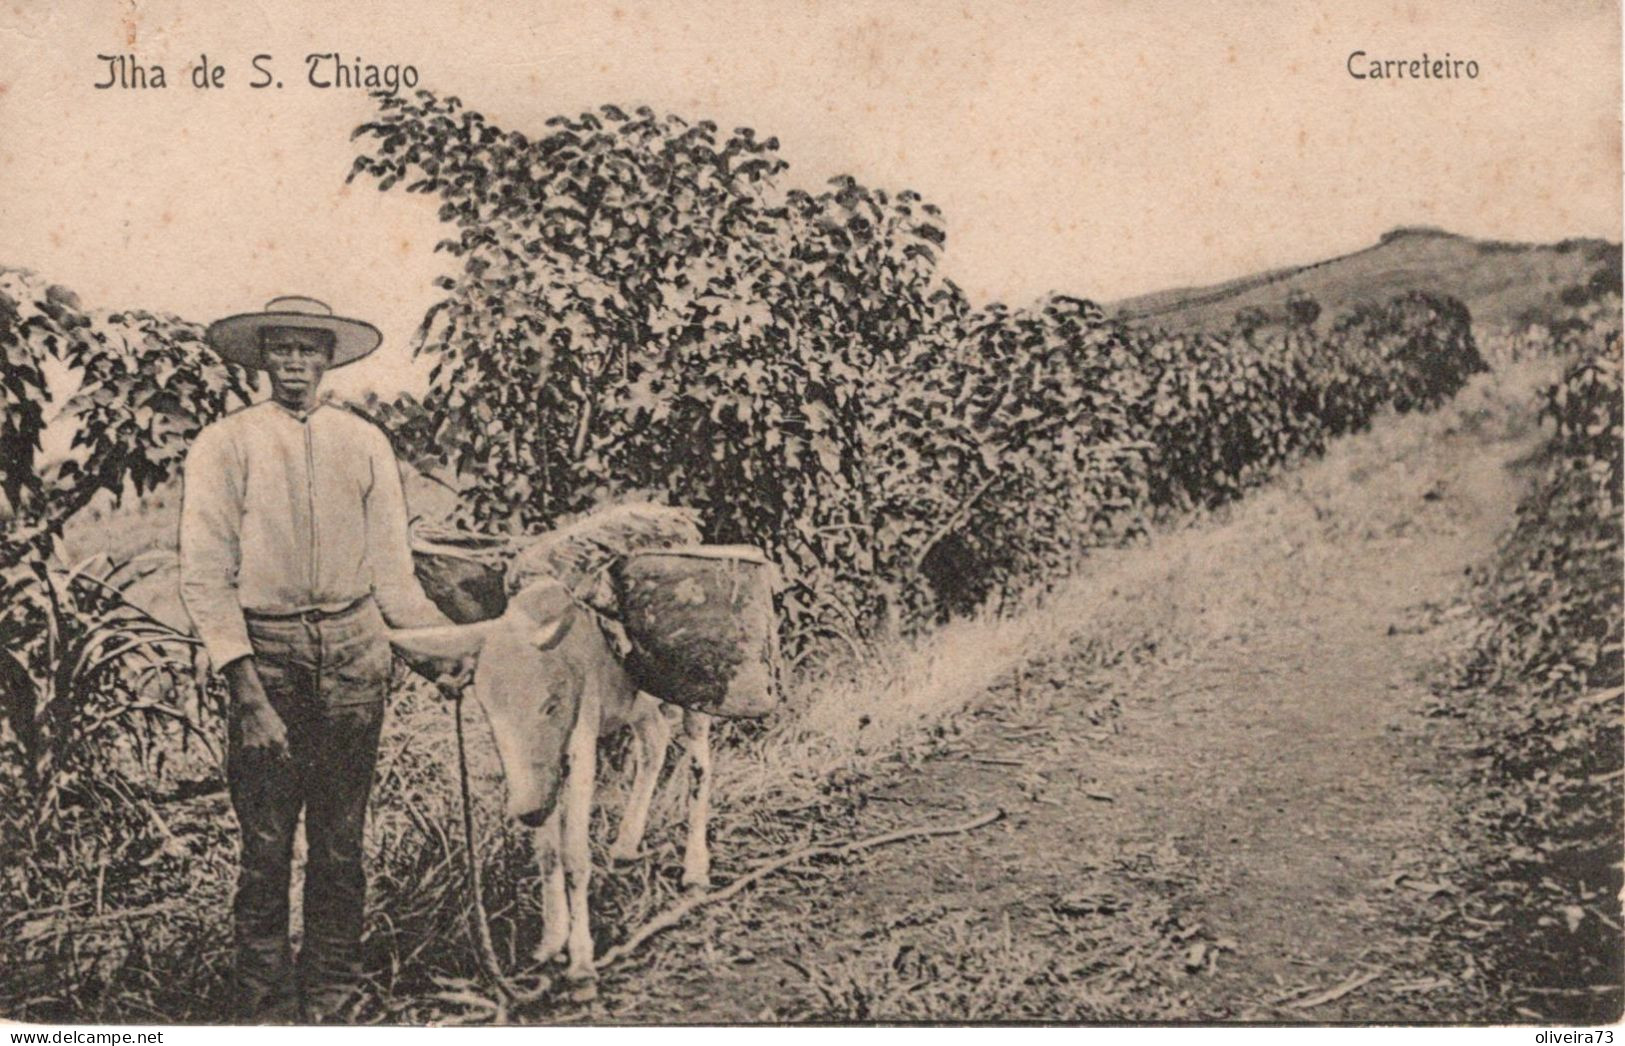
{"x": 293, "y": 553}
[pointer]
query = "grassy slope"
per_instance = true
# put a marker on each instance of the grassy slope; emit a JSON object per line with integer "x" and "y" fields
{"x": 1498, "y": 281}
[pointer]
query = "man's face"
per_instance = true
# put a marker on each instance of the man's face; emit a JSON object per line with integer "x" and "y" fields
{"x": 296, "y": 359}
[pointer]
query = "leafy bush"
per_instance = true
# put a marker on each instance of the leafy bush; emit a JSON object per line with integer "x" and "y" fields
{"x": 641, "y": 309}
{"x": 79, "y": 663}
{"x": 1038, "y": 434}
{"x": 88, "y": 676}
{"x": 1006, "y": 450}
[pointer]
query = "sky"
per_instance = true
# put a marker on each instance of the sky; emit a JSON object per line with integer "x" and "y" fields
{"x": 1098, "y": 148}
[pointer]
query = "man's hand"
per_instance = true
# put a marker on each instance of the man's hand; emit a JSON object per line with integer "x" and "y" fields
{"x": 458, "y": 676}
{"x": 451, "y": 674}
{"x": 262, "y": 729}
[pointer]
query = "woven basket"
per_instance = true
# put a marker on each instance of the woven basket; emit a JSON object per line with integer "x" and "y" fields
{"x": 702, "y": 628}
{"x": 462, "y": 575}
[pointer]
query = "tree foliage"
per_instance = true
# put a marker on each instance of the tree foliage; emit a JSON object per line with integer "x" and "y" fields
{"x": 1010, "y": 448}
{"x": 146, "y": 385}
{"x": 641, "y": 307}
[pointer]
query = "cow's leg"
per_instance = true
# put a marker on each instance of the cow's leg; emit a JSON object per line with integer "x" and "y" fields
{"x": 580, "y": 770}
{"x": 697, "y": 853}
{"x": 652, "y": 734}
{"x": 555, "y": 912}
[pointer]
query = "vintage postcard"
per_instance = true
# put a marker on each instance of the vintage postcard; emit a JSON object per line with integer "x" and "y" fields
{"x": 822, "y": 511}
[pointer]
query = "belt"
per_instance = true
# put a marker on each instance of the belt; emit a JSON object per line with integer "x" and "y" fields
{"x": 309, "y": 616}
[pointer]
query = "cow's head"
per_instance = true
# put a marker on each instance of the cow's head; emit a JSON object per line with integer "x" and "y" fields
{"x": 528, "y": 681}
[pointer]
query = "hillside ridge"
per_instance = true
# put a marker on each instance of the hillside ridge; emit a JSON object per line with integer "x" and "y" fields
{"x": 1501, "y": 282}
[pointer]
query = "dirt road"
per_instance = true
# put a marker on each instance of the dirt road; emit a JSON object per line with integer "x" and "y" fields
{"x": 1242, "y": 818}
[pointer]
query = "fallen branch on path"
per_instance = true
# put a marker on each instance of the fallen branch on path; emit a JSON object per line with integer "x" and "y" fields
{"x": 675, "y": 914}
{"x": 1333, "y": 994}
{"x": 1428, "y": 985}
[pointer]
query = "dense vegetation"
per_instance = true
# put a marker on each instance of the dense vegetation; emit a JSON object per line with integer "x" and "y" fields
{"x": 80, "y": 665}
{"x": 1541, "y": 688}
{"x": 643, "y": 308}
{"x": 97, "y": 697}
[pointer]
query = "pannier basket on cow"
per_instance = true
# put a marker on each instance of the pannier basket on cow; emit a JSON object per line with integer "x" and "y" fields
{"x": 461, "y": 573}
{"x": 693, "y": 624}
{"x": 701, "y": 626}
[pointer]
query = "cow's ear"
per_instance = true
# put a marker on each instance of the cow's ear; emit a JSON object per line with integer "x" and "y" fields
{"x": 541, "y": 601}
{"x": 551, "y": 633}
{"x": 544, "y": 606}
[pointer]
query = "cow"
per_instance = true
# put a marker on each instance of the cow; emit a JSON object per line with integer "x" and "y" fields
{"x": 550, "y": 685}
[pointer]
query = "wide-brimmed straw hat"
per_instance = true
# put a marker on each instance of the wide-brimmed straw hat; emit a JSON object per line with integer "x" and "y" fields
{"x": 237, "y": 338}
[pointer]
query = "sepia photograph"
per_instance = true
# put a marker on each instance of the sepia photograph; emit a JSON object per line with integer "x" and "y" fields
{"x": 818, "y": 512}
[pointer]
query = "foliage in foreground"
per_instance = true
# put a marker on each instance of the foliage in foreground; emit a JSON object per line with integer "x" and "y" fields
{"x": 1541, "y": 689}
{"x": 85, "y": 677}
{"x": 101, "y": 704}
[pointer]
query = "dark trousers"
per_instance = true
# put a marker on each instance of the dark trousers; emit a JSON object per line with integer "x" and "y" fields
{"x": 327, "y": 677}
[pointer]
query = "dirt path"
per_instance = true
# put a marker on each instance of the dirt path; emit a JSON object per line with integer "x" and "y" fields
{"x": 1230, "y": 821}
